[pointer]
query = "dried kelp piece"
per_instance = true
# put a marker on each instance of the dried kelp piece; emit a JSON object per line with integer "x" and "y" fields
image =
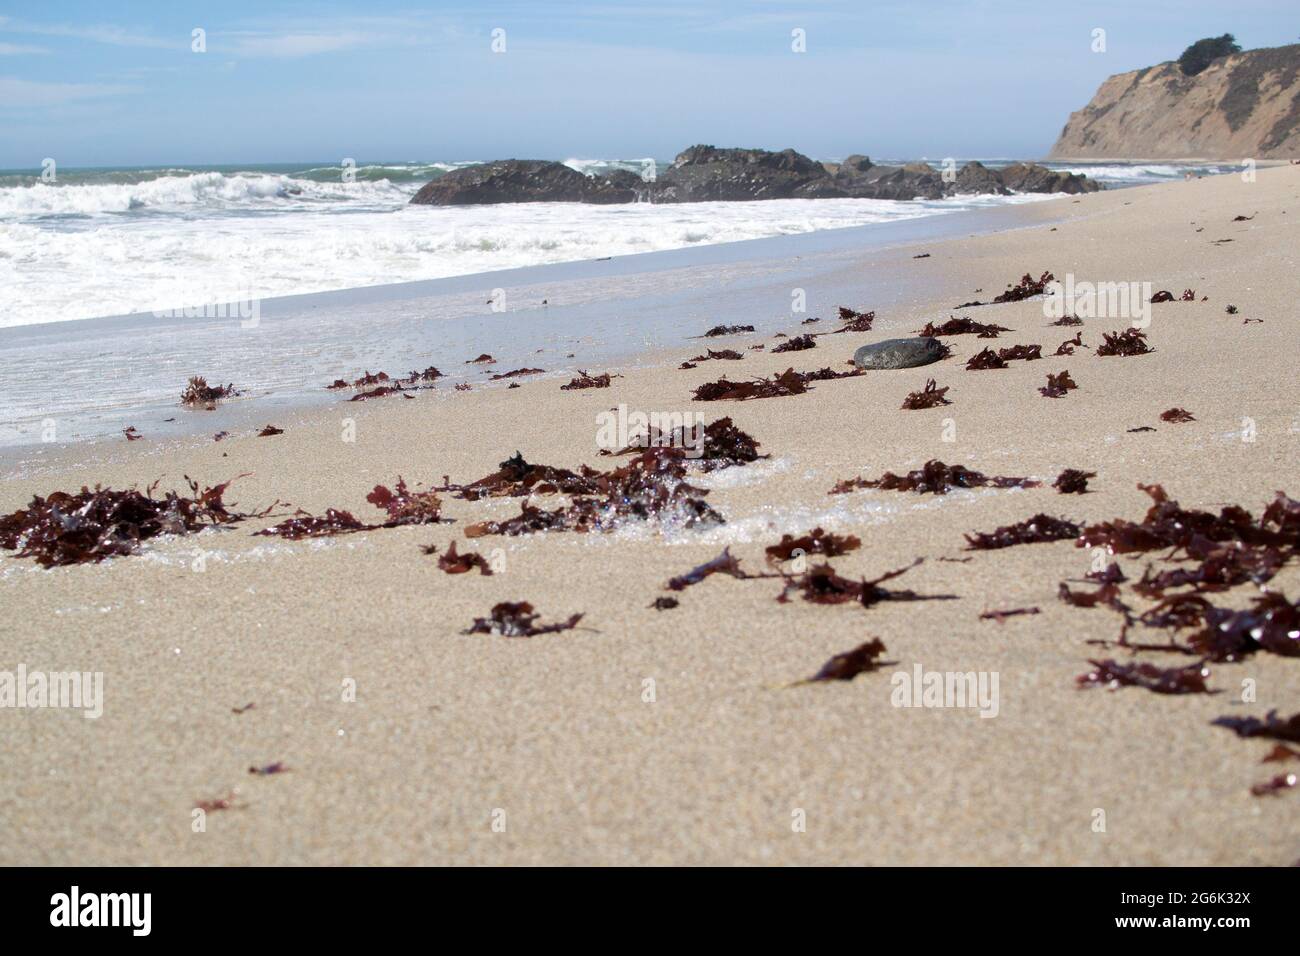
{"x": 821, "y": 585}
{"x": 816, "y": 541}
{"x": 1219, "y": 567}
{"x": 269, "y": 769}
{"x": 1072, "y": 481}
{"x": 848, "y": 665}
{"x": 428, "y": 375}
{"x": 1068, "y": 320}
{"x": 725, "y": 563}
{"x": 199, "y": 392}
{"x": 515, "y": 373}
{"x": 454, "y": 562}
{"x": 812, "y": 321}
{"x": 1162, "y": 680}
{"x": 1189, "y": 295}
{"x": 1057, "y": 385}
{"x": 1275, "y": 785}
{"x": 1039, "y": 528}
{"x": 1021, "y": 352}
{"x": 1169, "y": 525}
{"x": 985, "y": 360}
{"x": 1272, "y": 624}
{"x": 1067, "y": 347}
{"x": 1177, "y": 415}
{"x": 855, "y": 321}
{"x": 962, "y": 326}
{"x": 724, "y": 445}
{"x": 664, "y": 603}
{"x": 1107, "y": 594}
{"x": 826, "y": 374}
{"x": 1113, "y": 574}
{"x": 1244, "y": 218}
{"x": 62, "y": 529}
{"x": 270, "y": 430}
{"x": 586, "y": 380}
{"x": 1164, "y": 295}
{"x": 1026, "y": 288}
{"x": 483, "y": 359}
{"x": 651, "y": 486}
{"x": 405, "y": 506}
{"x": 1001, "y": 616}
{"x": 935, "y": 478}
{"x": 243, "y": 710}
{"x": 306, "y": 525}
{"x": 686, "y": 365}
{"x": 131, "y": 434}
{"x": 1129, "y": 342}
{"x": 516, "y": 619}
{"x": 726, "y": 355}
{"x": 1141, "y": 428}
{"x": 928, "y": 397}
{"x": 799, "y": 343}
{"x": 786, "y": 383}
{"x": 728, "y": 330}
{"x": 1271, "y": 726}
{"x": 517, "y": 478}
{"x": 379, "y": 392}
{"x": 1231, "y": 309}
{"x": 1281, "y": 753}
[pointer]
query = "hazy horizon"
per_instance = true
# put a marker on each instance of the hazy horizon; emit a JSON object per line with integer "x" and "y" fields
{"x": 95, "y": 88}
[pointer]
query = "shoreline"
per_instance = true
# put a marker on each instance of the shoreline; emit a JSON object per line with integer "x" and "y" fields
{"x": 445, "y": 728}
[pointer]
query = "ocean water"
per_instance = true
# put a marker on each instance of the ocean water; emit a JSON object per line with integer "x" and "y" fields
{"x": 100, "y": 242}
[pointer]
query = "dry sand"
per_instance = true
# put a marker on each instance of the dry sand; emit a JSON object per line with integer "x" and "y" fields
{"x": 448, "y": 730}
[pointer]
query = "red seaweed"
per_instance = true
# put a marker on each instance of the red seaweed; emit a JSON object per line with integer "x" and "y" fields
{"x": 1162, "y": 680}
{"x": 1128, "y": 342}
{"x": 1072, "y": 481}
{"x": 816, "y": 541}
{"x": 454, "y": 562}
{"x": 1270, "y": 726}
{"x": 1039, "y": 528}
{"x": 1177, "y": 415}
{"x": 586, "y": 380}
{"x": 848, "y": 665}
{"x": 1057, "y": 385}
{"x": 985, "y": 360}
{"x": 928, "y": 397}
{"x": 515, "y": 619}
{"x": 799, "y": 343}
{"x": 962, "y": 326}
{"x": 934, "y": 478}
{"x": 1027, "y": 353}
{"x": 199, "y": 392}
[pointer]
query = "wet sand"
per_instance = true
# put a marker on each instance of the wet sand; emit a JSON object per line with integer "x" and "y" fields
{"x": 483, "y": 749}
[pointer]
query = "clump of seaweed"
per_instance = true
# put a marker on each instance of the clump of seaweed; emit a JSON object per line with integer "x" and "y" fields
{"x": 454, "y": 562}
{"x": 799, "y": 343}
{"x": 723, "y": 446}
{"x": 405, "y": 506}
{"x": 1057, "y": 385}
{"x": 848, "y": 665}
{"x": 1021, "y": 352}
{"x": 516, "y": 619}
{"x": 855, "y": 321}
{"x": 1275, "y": 785}
{"x": 928, "y": 397}
{"x": 1162, "y": 680}
{"x": 1072, "y": 481}
{"x": 725, "y": 563}
{"x": 306, "y": 525}
{"x": 816, "y": 541}
{"x": 270, "y": 430}
{"x": 515, "y": 373}
{"x": 985, "y": 360}
{"x": 1129, "y": 342}
{"x": 90, "y": 526}
{"x": 962, "y": 326}
{"x": 586, "y": 380}
{"x": 199, "y": 393}
{"x": 664, "y": 603}
{"x": 726, "y": 355}
{"x": 727, "y": 330}
{"x": 1039, "y": 528}
{"x": 483, "y": 359}
{"x": 517, "y": 478}
{"x": 1026, "y": 288}
{"x": 131, "y": 434}
{"x": 821, "y": 585}
{"x": 1271, "y": 726}
{"x": 935, "y": 478}
{"x": 1067, "y": 347}
{"x": 1068, "y": 320}
{"x": 1164, "y": 295}
{"x": 1177, "y": 415}
{"x": 786, "y": 383}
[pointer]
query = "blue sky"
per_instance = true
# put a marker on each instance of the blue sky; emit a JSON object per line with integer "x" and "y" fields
{"x": 94, "y": 83}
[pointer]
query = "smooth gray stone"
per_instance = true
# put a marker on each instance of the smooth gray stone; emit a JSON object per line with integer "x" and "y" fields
{"x": 899, "y": 353}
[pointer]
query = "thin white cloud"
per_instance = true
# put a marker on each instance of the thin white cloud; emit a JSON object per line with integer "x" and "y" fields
{"x": 96, "y": 33}
{"x": 296, "y": 44}
{"x": 18, "y": 49}
{"x": 16, "y": 93}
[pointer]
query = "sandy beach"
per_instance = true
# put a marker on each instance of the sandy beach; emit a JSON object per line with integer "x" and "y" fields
{"x": 649, "y": 736}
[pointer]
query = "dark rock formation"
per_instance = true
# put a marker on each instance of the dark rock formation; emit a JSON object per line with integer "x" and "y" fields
{"x": 899, "y": 353}
{"x": 710, "y": 174}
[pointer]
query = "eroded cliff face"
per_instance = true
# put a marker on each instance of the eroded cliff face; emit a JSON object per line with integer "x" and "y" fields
{"x": 1244, "y": 106}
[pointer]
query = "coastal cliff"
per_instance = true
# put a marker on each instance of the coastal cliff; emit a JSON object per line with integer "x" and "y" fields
{"x": 1242, "y": 106}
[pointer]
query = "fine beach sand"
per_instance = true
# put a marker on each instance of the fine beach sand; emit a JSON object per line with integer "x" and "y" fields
{"x": 448, "y": 729}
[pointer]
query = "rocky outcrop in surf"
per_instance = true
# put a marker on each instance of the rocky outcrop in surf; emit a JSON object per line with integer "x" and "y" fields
{"x": 1240, "y": 106}
{"x": 711, "y": 174}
